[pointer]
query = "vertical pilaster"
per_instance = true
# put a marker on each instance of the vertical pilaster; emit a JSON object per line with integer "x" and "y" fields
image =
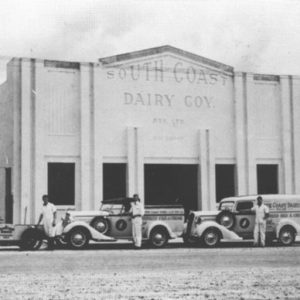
{"x": 27, "y": 136}
{"x": 251, "y": 134}
{"x": 92, "y": 133}
{"x": 135, "y": 162}
{"x": 131, "y": 178}
{"x": 86, "y": 135}
{"x": 139, "y": 163}
{"x": 16, "y": 170}
{"x": 97, "y": 152}
{"x": 240, "y": 134}
{"x": 286, "y": 109}
{"x": 98, "y": 181}
{"x": 206, "y": 171}
{"x": 33, "y": 141}
{"x": 97, "y": 171}
{"x": 41, "y": 167}
{"x": 296, "y": 131}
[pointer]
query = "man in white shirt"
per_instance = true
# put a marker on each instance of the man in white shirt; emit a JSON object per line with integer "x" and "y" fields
{"x": 137, "y": 211}
{"x": 261, "y": 215}
{"x": 48, "y": 216}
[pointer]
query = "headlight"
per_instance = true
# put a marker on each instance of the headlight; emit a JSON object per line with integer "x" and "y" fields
{"x": 198, "y": 221}
{"x": 66, "y": 220}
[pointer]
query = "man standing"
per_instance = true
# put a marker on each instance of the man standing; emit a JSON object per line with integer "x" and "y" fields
{"x": 48, "y": 216}
{"x": 137, "y": 211}
{"x": 261, "y": 215}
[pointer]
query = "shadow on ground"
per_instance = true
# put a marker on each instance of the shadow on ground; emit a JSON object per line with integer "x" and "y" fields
{"x": 172, "y": 245}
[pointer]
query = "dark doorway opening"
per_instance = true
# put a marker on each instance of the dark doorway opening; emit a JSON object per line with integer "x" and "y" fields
{"x": 61, "y": 183}
{"x": 225, "y": 181}
{"x": 114, "y": 180}
{"x": 8, "y": 197}
{"x": 171, "y": 184}
{"x": 267, "y": 179}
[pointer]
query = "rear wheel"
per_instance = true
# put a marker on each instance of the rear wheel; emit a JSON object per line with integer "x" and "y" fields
{"x": 78, "y": 238}
{"x": 159, "y": 237}
{"x": 211, "y": 237}
{"x": 31, "y": 239}
{"x": 287, "y": 236}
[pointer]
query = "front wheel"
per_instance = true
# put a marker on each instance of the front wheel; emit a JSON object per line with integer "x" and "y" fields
{"x": 159, "y": 237}
{"x": 286, "y": 236}
{"x": 61, "y": 241}
{"x": 31, "y": 239}
{"x": 78, "y": 238}
{"x": 211, "y": 237}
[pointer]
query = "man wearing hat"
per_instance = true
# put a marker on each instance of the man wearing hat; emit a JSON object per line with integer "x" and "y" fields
{"x": 137, "y": 211}
{"x": 48, "y": 216}
{"x": 261, "y": 215}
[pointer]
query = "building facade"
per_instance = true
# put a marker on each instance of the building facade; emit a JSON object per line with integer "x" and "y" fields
{"x": 167, "y": 124}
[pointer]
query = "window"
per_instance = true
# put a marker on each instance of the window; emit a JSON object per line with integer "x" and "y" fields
{"x": 225, "y": 181}
{"x": 114, "y": 180}
{"x": 244, "y": 205}
{"x": 61, "y": 183}
{"x": 227, "y": 205}
{"x": 267, "y": 179}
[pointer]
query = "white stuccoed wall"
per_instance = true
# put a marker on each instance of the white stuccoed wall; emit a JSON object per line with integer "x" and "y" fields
{"x": 57, "y": 125}
{"x": 164, "y": 107}
{"x": 180, "y": 109}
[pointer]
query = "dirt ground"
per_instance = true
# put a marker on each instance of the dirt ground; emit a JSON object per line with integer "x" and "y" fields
{"x": 119, "y": 272}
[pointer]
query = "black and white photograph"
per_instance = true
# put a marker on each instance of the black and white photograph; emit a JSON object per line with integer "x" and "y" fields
{"x": 149, "y": 149}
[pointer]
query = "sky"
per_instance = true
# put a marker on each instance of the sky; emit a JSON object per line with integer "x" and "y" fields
{"x": 252, "y": 36}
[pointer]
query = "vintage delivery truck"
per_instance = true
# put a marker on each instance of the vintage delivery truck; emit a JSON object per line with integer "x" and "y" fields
{"x": 235, "y": 221}
{"x": 113, "y": 222}
{"x": 27, "y": 237}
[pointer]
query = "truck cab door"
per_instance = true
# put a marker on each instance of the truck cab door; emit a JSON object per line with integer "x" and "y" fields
{"x": 245, "y": 219}
{"x": 121, "y": 225}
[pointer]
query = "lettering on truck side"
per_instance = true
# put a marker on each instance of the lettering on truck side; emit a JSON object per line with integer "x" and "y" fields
{"x": 174, "y": 217}
{"x": 277, "y": 206}
{"x": 6, "y": 232}
{"x": 163, "y": 212}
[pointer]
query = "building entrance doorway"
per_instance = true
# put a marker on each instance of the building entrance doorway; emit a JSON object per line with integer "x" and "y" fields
{"x": 171, "y": 184}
